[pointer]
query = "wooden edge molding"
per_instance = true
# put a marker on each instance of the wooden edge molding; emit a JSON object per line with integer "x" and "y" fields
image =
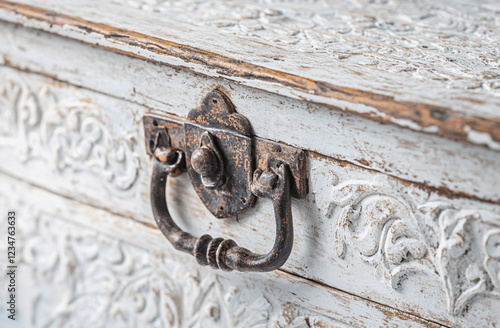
{"x": 427, "y": 118}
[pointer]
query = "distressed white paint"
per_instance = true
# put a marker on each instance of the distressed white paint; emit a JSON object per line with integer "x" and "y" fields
{"x": 406, "y": 154}
{"x": 340, "y": 227}
{"x": 365, "y": 233}
{"x": 109, "y": 271}
{"x": 442, "y": 54}
{"x": 454, "y": 44}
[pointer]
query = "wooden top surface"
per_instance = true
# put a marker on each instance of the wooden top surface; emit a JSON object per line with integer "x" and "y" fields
{"x": 431, "y": 66}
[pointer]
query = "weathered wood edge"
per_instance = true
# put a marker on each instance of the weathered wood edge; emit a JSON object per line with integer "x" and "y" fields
{"x": 426, "y": 118}
{"x": 425, "y": 186}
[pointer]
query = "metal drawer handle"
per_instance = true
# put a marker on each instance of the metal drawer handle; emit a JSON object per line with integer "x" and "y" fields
{"x": 222, "y": 253}
{"x": 229, "y": 169}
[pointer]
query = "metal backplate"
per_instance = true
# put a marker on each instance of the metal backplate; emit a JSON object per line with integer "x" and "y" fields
{"x": 222, "y": 155}
{"x": 230, "y": 133}
{"x": 234, "y": 195}
{"x": 270, "y": 154}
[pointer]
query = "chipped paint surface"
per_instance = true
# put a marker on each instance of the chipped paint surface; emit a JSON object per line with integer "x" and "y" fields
{"x": 349, "y": 208}
{"x": 481, "y": 138}
{"x": 384, "y": 36}
{"x": 433, "y": 162}
{"x": 447, "y": 121}
{"x": 113, "y": 272}
{"x": 400, "y": 228}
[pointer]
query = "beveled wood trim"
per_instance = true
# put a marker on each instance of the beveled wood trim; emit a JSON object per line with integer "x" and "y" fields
{"x": 427, "y": 118}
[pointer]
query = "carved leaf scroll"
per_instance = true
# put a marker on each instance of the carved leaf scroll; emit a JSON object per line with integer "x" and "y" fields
{"x": 294, "y": 316}
{"x": 104, "y": 282}
{"x": 380, "y": 227}
{"x": 387, "y": 230}
{"x": 68, "y": 133}
{"x": 467, "y": 253}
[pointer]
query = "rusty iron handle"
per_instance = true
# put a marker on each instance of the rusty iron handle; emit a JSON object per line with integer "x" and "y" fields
{"x": 222, "y": 253}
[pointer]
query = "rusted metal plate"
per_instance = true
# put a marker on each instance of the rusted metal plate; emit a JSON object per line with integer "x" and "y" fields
{"x": 234, "y": 195}
{"x": 219, "y": 142}
{"x": 270, "y": 154}
{"x": 163, "y": 130}
{"x": 220, "y": 137}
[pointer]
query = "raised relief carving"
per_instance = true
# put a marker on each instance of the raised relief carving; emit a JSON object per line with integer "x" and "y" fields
{"x": 466, "y": 252}
{"x": 420, "y": 40}
{"x": 103, "y": 282}
{"x": 68, "y": 133}
{"x": 492, "y": 259}
{"x": 380, "y": 227}
{"x": 461, "y": 245}
{"x": 107, "y": 283}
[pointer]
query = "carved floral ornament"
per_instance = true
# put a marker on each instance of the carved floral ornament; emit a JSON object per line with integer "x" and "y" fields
{"x": 109, "y": 283}
{"x": 68, "y": 133}
{"x": 456, "y": 45}
{"x": 461, "y": 246}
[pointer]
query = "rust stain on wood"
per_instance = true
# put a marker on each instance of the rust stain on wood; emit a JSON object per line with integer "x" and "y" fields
{"x": 450, "y": 124}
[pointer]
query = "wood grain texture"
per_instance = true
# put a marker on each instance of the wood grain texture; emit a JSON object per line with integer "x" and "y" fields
{"x": 112, "y": 272}
{"x": 405, "y": 70}
{"x": 402, "y": 241}
{"x": 465, "y": 170}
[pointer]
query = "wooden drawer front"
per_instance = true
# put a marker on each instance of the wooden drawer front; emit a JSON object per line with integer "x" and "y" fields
{"x": 110, "y": 271}
{"x": 384, "y": 239}
{"x": 464, "y": 169}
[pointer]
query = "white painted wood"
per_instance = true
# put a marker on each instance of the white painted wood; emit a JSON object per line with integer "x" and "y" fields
{"x": 86, "y": 267}
{"x": 443, "y": 54}
{"x": 359, "y": 231}
{"x": 412, "y": 156}
{"x": 407, "y": 237}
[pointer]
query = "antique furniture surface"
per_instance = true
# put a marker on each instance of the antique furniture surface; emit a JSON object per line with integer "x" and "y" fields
{"x": 384, "y": 116}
